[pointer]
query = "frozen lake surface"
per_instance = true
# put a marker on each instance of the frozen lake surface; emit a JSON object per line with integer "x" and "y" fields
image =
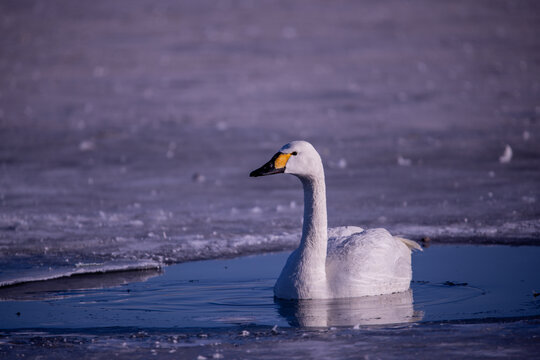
{"x": 130, "y": 137}
{"x": 128, "y": 130}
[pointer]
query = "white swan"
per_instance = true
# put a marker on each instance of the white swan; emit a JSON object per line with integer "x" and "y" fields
{"x": 339, "y": 262}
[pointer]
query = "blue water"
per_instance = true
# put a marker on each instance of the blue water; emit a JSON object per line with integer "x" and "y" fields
{"x": 450, "y": 283}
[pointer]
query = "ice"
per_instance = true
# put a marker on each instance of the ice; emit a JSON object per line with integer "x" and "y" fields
{"x": 289, "y": 32}
{"x": 403, "y": 161}
{"x": 340, "y": 164}
{"x": 8, "y": 278}
{"x": 198, "y": 178}
{"x": 87, "y": 145}
{"x": 127, "y": 137}
{"x": 529, "y": 199}
{"x": 222, "y": 126}
{"x": 507, "y": 339}
{"x": 506, "y": 157}
{"x": 256, "y": 210}
{"x": 99, "y": 71}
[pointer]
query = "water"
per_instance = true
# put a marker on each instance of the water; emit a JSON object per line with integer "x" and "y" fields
{"x": 451, "y": 283}
{"x": 226, "y": 307}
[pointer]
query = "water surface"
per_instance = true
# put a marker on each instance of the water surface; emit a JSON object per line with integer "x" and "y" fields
{"x": 450, "y": 283}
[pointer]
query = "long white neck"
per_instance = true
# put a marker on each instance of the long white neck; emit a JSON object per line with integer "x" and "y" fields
{"x": 314, "y": 231}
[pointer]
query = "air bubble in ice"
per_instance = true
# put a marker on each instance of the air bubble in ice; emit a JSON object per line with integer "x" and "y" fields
{"x": 87, "y": 145}
{"x": 506, "y": 157}
{"x": 198, "y": 178}
{"x": 529, "y": 199}
{"x": 222, "y": 126}
{"x": 137, "y": 223}
{"x": 99, "y": 71}
{"x": 403, "y": 161}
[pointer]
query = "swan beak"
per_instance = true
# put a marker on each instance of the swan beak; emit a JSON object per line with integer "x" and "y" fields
{"x": 276, "y": 165}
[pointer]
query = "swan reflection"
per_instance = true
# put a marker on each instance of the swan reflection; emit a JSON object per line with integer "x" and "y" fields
{"x": 366, "y": 310}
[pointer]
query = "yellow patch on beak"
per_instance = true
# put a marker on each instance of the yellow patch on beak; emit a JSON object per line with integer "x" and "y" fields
{"x": 281, "y": 161}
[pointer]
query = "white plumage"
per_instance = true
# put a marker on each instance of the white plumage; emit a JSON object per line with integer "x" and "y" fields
{"x": 339, "y": 262}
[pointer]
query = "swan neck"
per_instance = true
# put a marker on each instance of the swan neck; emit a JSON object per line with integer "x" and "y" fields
{"x": 314, "y": 230}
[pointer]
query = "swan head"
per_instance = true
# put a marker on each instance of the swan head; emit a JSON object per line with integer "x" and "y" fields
{"x": 296, "y": 158}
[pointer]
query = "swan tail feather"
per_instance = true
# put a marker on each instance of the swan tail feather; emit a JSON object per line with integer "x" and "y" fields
{"x": 412, "y": 245}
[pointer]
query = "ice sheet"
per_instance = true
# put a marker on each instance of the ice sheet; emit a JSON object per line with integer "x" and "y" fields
{"x": 127, "y": 131}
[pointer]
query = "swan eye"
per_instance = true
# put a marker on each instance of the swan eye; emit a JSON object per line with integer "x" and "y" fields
{"x": 294, "y": 153}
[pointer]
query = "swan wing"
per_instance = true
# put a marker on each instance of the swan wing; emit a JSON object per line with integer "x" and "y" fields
{"x": 368, "y": 262}
{"x": 343, "y": 232}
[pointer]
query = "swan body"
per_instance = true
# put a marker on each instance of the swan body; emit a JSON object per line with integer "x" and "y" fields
{"x": 340, "y": 262}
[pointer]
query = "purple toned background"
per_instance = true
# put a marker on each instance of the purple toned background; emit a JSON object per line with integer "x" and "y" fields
{"x": 128, "y": 128}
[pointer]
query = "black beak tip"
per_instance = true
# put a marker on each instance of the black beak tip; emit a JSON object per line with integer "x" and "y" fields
{"x": 267, "y": 169}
